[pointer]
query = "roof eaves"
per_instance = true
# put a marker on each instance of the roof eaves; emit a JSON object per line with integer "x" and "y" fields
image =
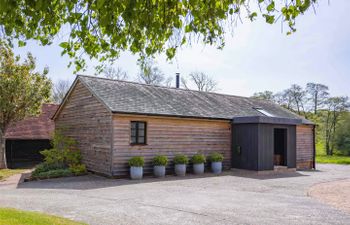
{"x": 171, "y": 115}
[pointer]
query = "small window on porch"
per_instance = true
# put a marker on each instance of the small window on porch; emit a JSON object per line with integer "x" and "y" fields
{"x": 263, "y": 111}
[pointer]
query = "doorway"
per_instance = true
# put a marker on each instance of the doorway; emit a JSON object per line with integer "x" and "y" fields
{"x": 280, "y": 147}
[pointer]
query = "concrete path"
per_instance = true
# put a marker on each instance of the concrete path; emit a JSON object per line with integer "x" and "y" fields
{"x": 233, "y": 198}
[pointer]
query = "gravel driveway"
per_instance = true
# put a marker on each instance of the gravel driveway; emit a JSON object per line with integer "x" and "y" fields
{"x": 233, "y": 198}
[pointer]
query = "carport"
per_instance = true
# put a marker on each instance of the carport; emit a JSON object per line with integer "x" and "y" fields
{"x": 25, "y": 139}
{"x": 264, "y": 143}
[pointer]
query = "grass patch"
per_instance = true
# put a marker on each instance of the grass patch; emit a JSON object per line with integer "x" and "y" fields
{"x": 5, "y": 173}
{"x": 334, "y": 159}
{"x": 17, "y": 217}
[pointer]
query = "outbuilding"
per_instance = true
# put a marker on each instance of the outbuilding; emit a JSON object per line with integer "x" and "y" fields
{"x": 113, "y": 121}
{"x": 26, "y": 138}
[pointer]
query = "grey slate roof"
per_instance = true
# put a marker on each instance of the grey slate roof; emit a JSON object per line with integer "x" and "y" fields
{"x": 131, "y": 97}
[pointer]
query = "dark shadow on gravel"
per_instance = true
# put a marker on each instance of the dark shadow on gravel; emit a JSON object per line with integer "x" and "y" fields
{"x": 92, "y": 181}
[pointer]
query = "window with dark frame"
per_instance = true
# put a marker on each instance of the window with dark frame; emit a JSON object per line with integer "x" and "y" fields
{"x": 138, "y": 132}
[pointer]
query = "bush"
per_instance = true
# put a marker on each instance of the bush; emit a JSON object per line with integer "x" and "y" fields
{"x": 64, "y": 159}
{"x": 160, "y": 160}
{"x": 44, "y": 167}
{"x": 136, "y": 161}
{"x": 180, "y": 159}
{"x": 216, "y": 157}
{"x": 52, "y": 174}
{"x": 198, "y": 159}
{"x": 78, "y": 169}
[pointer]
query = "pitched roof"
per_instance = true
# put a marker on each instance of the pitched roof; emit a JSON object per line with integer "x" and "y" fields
{"x": 38, "y": 127}
{"x": 131, "y": 97}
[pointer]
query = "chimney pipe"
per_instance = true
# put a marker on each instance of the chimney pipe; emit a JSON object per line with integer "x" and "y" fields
{"x": 177, "y": 80}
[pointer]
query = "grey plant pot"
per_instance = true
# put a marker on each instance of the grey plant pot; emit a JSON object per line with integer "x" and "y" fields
{"x": 180, "y": 170}
{"x": 216, "y": 167}
{"x": 136, "y": 173}
{"x": 159, "y": 171}
{"x": 198, "y": 168}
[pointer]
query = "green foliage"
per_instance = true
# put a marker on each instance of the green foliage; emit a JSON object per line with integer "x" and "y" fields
{"x": 216, "y": 157}
{"x": 198, "y": 159}
{"x": 22, "y": 89}
{"x": 180, "y": 159}
{"x": 53, "y": 174}
{"x": 103, "y": 29}
{"x": 18, "y": 217}
{"x": 45, "y": 167}
{"x": 63, "y": 159}
{"x": 160, "y": 160}
{"x": 77, "y": 169}
{"x": 342, "y": 135}
{"x": 333, "y": 159}
{"x": 136, "y": 161}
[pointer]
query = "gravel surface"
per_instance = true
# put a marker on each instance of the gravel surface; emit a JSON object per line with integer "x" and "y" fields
{"x": 233, "y": 198}
{"x": 335, "y": 193}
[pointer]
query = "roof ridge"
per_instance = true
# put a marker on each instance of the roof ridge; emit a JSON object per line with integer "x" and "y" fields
{"x": 164, "y": 87}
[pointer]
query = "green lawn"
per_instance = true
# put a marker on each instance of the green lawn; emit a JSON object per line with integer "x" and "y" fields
{"x": 18, "y": 217}
{"x": 321, "y": 156}
{"x": 335, "y": 159}
{"x": 5, "y": 173}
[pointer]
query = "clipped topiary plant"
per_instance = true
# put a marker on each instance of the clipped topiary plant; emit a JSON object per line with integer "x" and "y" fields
{"x": 216, "y": 157}
{"x": 136, "y": 161}
{"x": 180, "y": 159}
{"x": 198, "y": 159}
{"x": 160, "y": 160}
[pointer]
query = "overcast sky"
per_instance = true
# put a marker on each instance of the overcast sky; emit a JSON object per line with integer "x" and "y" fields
{"x": 257, "y": 57}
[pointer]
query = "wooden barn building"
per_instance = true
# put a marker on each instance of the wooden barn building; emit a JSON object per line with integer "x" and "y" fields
{"x": 115, "y": 120}
{"x": 26, "y": 138}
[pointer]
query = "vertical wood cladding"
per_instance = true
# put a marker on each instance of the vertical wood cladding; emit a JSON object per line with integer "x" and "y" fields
{"x": 86, "y": 119}
{"x": 169, "y": 136}
{"x": 305, "y": 146}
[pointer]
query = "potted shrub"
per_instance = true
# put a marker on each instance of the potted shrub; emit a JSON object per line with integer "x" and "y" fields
{"x": 216, "y": 162}
{"x": 180, "y": 162}
{"x": 136, "y": 167}
{"x": 198, "y": 161}
{"x": 159, "y": 163}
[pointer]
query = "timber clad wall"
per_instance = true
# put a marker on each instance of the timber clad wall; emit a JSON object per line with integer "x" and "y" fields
{"x": 88, "y": 121}
{"x": 305, "y": 146}
{"x": 169, "y": 136}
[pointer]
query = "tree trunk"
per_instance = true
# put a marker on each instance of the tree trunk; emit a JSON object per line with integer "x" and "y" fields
{"x": 2, "y": 152}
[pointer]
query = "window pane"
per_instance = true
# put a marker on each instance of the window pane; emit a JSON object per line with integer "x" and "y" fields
{"x": 141, "y": 132}
{"x": 133, "y": 125}
{"x": 141, "y": 125}
{"x": 141, "y": 140}
{"x": 133, "y": 132}
{"x": 133, "y": 140}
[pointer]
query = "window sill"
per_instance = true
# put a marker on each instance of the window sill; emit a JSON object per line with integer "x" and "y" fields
{"x": 137, "y": 144}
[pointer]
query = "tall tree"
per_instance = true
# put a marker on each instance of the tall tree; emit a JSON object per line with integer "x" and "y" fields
{"x": 284, "y": 99}
{"x": 202, "y": 82}
{"x": 60, "y": 90}
{"x": 265, "y": 95}
{"x": 335, "y": 107}
{"x": 22, "y": 91}
{"x": 342, "y": 135}
{"x": 103, "y": 29}
{"x": 115, "y": 73}
{"x": 150, "y": 73}
{"x": 298, "y": 96}
{"x": 318, "y": 95}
